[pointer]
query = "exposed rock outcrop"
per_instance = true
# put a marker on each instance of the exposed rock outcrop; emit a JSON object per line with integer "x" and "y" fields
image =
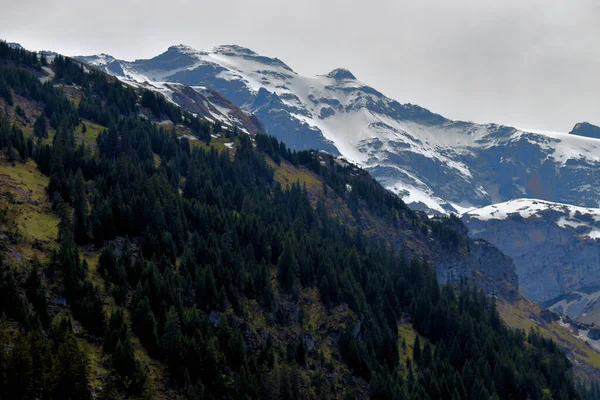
{"x": 554, "y": 248}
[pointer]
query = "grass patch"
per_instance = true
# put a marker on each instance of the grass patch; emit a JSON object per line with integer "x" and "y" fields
{"x": 95, "y": 358}
{"x": 287, "y": 174}
{"x": 92, "y": 131}
{"x": 406, "y": 335}
{"x": 406, "y": 341}
{"x": 39, "y": 225}
{"x": 92, "y": 261}
{"x": 217, "y": 143}
{"x": 27, "y": 177}
{"x": 315, "y": 314}
{"x": 255, "y": 316}
{"x": 28, "y": 210}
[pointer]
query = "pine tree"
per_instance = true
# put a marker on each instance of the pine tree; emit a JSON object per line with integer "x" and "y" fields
{"x": 39, "y": 127}
{"x": 417, "y": 350}
{"x": 287, "y": 267}
{"x": 324, "y": 290}
{"x": 171, "y": 343}
{"x": 80, "y": 210}
{"x": 70, "y": 372}
{"x": 20, "y": 368}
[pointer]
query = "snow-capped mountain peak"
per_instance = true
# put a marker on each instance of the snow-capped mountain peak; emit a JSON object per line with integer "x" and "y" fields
{"x": 182, "y": 48}
{"x": 100, "y": 60}
{"x": 434, "y": 163}
{"x": 341, "y": 74}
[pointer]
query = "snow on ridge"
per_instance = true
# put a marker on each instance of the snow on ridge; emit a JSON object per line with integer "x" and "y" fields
{"x": 574, "y": 217}
{"x": 566, "y": 146}
{"x": 104, "y": 59}
{"x": 528, "y": 207}
{"x": 256, "y": 72}
{"x": 371, "y": 129}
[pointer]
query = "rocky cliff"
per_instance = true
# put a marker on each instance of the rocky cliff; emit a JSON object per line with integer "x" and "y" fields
{"x": 555, "y": 247}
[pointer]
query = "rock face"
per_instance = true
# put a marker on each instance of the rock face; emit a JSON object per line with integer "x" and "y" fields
{"x": 586, "y": 129}
{"x": 594, "y": 334}
{"x": 483, "y": 258}
{"x": 554, "y": 246}
{"x": 581, "y": 305}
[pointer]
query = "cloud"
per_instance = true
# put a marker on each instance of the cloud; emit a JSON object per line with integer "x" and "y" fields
{"x": 526, "y": 63}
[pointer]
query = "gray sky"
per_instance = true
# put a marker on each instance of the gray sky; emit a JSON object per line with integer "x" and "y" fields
{"x": 533, "y": 64}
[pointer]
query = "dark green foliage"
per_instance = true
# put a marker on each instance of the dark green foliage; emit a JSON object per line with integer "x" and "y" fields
{"x": 85, "y": 298}
{"x": 39, "y": 128}
{"x": 287, "y": 268}
{"x": 117, "y": 342}
{"x": 417, "y": 350}
{"x": 19, "y": 56}
{"x": 172, "y": 343}
{"x": 12, "y": 141}
{"x": 34, "y": 366}
{"x": 37, "y": 294}
{"x": 20, "y": 113}
{"x": 13, "y": 303}
{"x": 80, "y": 210}
{"x": 160, "y": 107}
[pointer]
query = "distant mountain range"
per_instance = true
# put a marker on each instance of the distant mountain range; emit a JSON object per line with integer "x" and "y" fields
{"x": 435, "y": 164}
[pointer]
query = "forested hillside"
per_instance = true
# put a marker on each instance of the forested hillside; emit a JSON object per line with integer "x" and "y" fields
{"x": 137, "y": 263}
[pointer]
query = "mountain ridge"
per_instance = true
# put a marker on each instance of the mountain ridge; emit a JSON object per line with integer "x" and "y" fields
{"x": 435, "y": 164}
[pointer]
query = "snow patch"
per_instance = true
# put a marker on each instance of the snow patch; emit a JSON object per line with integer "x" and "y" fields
{"x": 571, "y": 217}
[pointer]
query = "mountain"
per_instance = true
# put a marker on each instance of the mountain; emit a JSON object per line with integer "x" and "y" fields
{"x": 433, "y": 163}
{"x": 586, "y": 129}
{"x": 138, "y": 261}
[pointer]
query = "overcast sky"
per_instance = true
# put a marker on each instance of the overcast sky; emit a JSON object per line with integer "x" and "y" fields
{"x": 531, "y": 64}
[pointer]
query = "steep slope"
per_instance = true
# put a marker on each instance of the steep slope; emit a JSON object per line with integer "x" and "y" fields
{"x": 201, "y": 101}
{"x": 581, "y": 305}
{"x": 435, "y": 164}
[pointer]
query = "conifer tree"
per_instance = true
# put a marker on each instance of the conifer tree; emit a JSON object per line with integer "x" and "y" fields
{"x": 417, "y": 349}
{"x": 39, "y": 127}
{"x": 80, "y": 209}
{"x": 171, "y": 343}
{"x": 287, "y": 267}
